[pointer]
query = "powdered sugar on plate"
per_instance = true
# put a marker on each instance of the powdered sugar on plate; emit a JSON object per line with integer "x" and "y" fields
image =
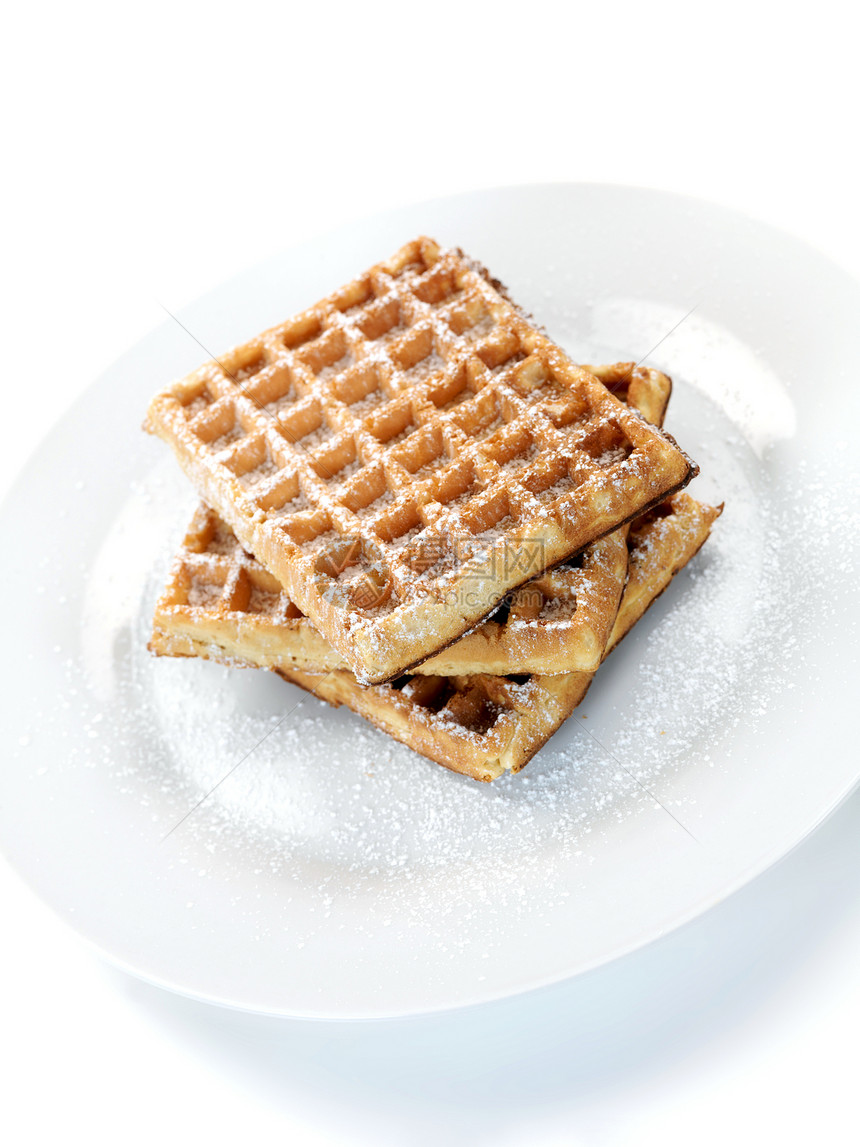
{"x": 285, "y": 789}
{"x": 322, "y": 792}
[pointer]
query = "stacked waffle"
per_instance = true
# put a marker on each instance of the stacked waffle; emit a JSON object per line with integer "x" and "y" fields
{"x": 416, "y": 505}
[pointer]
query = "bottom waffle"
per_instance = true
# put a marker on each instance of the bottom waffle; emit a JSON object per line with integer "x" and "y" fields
{"x": 483, "y": 725}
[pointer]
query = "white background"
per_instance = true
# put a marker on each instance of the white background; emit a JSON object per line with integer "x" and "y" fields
{"x": 153, "y": 151}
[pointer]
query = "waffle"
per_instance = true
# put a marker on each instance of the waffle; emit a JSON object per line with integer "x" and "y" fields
{"x": 477, "y": 724}
{"x": 408, "y": 452}
{"x": 660, "y": 543}
{"x": 557, "y": 623}
{"x": 642, "y": 387}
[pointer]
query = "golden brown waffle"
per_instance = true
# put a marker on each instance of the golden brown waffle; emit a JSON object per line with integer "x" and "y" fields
{"x": 477, "y": 724}
{"x": 409, "y": 451}
{"x": 557, "y": 623}
{"x": 660, "y": 543}
{"x": 642, "y": 387}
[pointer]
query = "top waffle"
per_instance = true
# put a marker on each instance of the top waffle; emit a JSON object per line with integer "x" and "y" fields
{"x": 407, "y": 452}
{"x": 557, "y": 623}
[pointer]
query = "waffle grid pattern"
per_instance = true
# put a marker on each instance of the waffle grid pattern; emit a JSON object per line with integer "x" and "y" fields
{"x": 409, "y": 451}
{"x": 556, "y": 623}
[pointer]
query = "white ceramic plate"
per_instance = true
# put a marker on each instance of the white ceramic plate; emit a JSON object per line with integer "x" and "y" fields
{"x": 334, "y": 873}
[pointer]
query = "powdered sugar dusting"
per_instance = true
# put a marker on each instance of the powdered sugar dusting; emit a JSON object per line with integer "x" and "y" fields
{"x": 331, "y": 839}
{"x": 415, "y": 442}
{"x": 327, "y": 795}
{"x": 201, "y": 593}
{"x": 427, "y": 366}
